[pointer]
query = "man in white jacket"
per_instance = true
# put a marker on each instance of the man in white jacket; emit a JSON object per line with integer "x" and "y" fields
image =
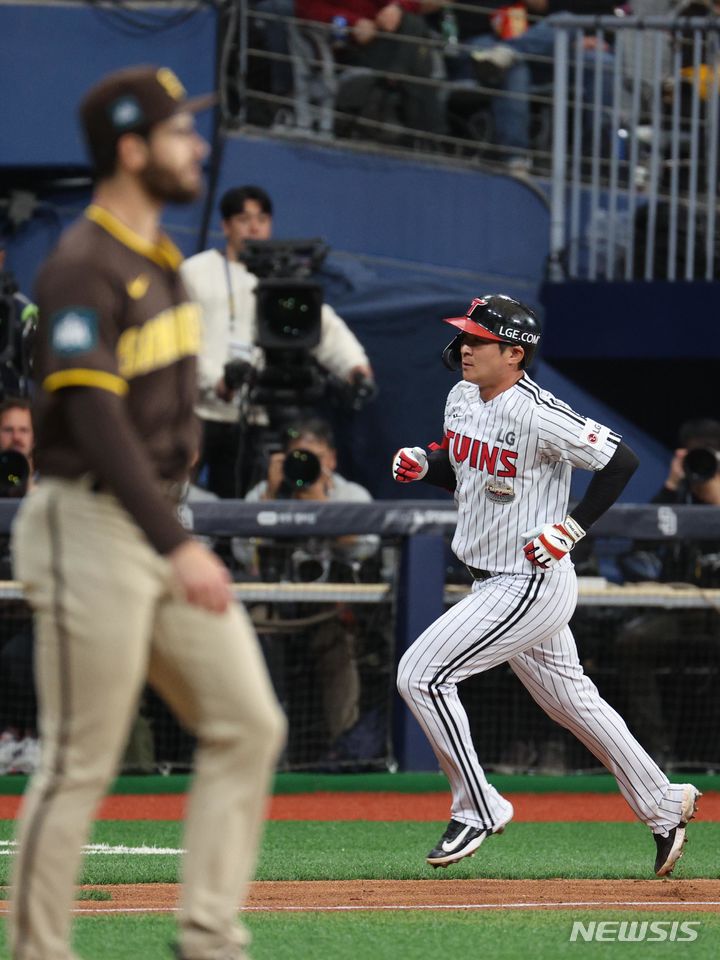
{"x": 225, "y": 289}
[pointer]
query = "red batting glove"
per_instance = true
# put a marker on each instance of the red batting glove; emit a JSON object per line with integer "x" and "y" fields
{"x": 409, "y": 464}
{"x": 551, "y": 542}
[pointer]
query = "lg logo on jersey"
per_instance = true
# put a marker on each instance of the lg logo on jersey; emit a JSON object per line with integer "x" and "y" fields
{"x": 498, "y": 461}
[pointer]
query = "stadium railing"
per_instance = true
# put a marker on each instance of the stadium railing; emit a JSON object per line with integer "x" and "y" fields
{"x": 377, "y": 611}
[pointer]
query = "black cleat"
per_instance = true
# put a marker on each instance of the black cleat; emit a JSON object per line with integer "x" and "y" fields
{"x": 462, "y": 840}
{"x": 459, "y": 840}
{"x": 670, "y": 848}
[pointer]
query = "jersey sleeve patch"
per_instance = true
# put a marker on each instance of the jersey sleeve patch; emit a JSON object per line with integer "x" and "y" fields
{"x": 73, "y": 330}
{"x": 594, "y": 434}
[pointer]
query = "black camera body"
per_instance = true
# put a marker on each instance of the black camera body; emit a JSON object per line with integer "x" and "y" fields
{"x": 701, "y": 464}
{"x": 236, "y": 373}
{"x": 288, "y": 325}
{"x": 301, "y": 469}
{"x": 14, "y": 474}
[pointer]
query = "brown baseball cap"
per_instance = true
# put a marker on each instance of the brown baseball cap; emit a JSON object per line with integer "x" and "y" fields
{"x": 133, "y": 100}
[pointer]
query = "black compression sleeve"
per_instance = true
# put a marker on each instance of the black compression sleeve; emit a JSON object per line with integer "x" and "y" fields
{"x": 116, "y": 457}
{"x": 606, "y": 486}
{"x": 440, "y": 472}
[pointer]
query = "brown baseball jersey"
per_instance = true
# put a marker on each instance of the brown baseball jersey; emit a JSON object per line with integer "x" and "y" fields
{"x": 115, "y": 316}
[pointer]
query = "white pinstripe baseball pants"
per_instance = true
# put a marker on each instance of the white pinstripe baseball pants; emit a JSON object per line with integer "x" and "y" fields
{"x": 522, "y": 620}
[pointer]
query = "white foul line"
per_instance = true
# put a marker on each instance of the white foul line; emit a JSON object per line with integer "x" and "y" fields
{"x": 7, "y": 849}
{"x": 423, "y": 906}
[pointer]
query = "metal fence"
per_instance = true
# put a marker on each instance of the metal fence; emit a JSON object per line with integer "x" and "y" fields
{"x": 625, "y": 128}
{"x": 635, "y": 148}
{"x": 332, "y": 636}
{"x": 295, "y": 79}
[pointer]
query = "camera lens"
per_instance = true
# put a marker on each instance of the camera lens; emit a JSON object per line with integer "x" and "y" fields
{"x": 289, "y": 314}
{"x": 301, "y": 468}
{"x": 14, "y": 474}
{"x": 700, "y": 464}
{"x": 309, "y": 570}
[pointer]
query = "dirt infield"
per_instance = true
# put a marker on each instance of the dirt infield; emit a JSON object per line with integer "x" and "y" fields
{"x": 529, "y": 807}
{"x": 352, "y": 895}
{"x": 431, "y": 894}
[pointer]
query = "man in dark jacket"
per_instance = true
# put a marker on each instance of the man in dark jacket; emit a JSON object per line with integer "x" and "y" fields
{"x": 525, "y": 60}
{"x": 387, "y": 37}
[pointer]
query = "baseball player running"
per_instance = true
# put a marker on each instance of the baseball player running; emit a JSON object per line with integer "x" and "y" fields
{"x": 507, "y": 453}
{"x": 120, "y": 592}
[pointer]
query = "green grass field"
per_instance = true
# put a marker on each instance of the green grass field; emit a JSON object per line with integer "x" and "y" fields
{"x": 294, "y": 850}
{"x": 410, "y": 936}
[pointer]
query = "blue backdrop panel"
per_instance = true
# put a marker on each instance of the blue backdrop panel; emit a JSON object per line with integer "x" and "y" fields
{"x": 405, "y": 338}
{"x": 388, "y": 207}
{"x": 398, "y": 319}
{"x": 642, "y": 320}
{"x": 50, "y": 54}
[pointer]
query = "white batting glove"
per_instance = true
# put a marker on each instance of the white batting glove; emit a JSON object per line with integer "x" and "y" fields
{"x": 550, "y": 543}
{"x": 409, "y": 463}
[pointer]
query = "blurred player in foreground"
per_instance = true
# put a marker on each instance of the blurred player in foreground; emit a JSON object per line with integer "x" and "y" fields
{"x": 120, "y": 591}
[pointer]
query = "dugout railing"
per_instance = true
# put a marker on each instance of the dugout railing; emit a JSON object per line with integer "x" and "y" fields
{"x": 333, "y": 643}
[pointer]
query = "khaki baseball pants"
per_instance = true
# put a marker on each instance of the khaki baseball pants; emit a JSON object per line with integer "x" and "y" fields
{"x": 107, "y": 619}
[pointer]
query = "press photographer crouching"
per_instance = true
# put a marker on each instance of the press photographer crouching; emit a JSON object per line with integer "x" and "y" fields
{"x": 319, "y": 644}
{"x": 270, "y": 343}
{"x": 682, "y": 642}
{"x": 19, "y": 747}
{"x": 16, "y": 447}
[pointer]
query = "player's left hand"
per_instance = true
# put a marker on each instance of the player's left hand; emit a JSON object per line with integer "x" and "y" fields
{"x": 550, "y": 543}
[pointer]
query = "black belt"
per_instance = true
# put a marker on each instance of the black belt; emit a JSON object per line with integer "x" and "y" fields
{"x": 480, "y": 574}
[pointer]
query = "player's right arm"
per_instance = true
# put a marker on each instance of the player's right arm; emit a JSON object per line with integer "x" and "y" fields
{"x": 433, "y": 466}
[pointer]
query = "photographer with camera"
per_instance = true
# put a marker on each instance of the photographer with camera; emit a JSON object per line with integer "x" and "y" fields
{"x": 226, "y": 290}
{"x": 17, "y": 440}
{"x": 19, "y": 747}
{"x": 690, "y": 636}
{"x": 306, "y": 470}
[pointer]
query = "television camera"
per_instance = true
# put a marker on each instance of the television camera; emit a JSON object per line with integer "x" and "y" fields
{"x": 18, "y": 322}
{"x": 288, "y": 327}
{"x": 289, "y": 383}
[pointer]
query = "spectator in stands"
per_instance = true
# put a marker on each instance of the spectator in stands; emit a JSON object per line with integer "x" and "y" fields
{"x": 677, "y": 636}
{"x": 272, "y": 32}
{"x": 221, "y": 283}
{"x": 388, "y": 38}
{"x": 331, "y": 646}
{"x": 520, "y": 56}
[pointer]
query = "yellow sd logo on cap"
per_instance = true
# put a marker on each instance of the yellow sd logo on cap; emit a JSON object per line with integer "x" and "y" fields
{"x": 171, "y": 83}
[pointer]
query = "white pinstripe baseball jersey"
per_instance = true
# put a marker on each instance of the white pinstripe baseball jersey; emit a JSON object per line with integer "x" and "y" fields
{"x": 513, "y": 458}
